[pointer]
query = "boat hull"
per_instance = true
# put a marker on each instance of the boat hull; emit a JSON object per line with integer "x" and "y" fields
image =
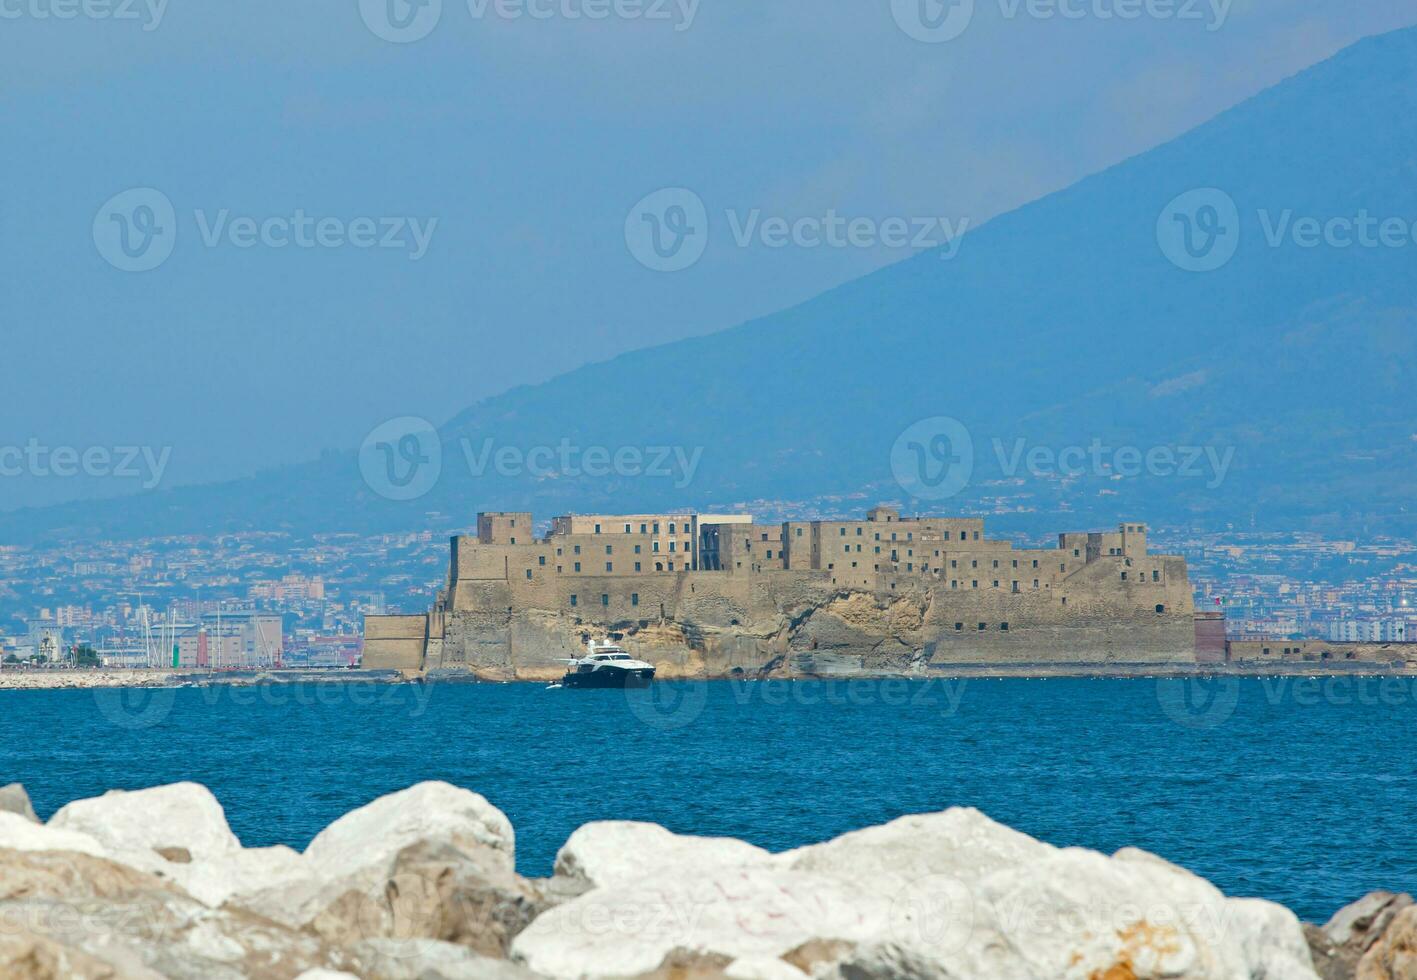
{"x": 609, "y": 677}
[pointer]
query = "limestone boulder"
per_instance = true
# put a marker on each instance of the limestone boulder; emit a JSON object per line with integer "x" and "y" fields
{"x": 14, "y": 799}
{"x": 696, "y": 922}
{"x": 19, "y": 833}
{"x": 942, "y": 895}
{"x": 70, "y": 914}
{"x": 440, "y": 892}
{"x": 608, "y": 853}
{"x": 1338, "y": 945}
{"x": 433, "y": 861}
{"x": 178, "y": 832}
{"x": 1394, "y": 955}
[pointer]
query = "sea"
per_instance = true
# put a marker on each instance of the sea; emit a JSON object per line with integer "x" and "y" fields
{"x": 1298, "y": 790}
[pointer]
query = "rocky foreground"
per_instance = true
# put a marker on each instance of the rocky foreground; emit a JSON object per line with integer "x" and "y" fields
{"x": 421, "y": 885}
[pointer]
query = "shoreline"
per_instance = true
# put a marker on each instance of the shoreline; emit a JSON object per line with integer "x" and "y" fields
{"x": 153, "y": 678}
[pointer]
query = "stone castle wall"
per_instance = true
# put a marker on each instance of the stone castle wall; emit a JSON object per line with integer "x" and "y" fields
{"x": 517, "y": 610}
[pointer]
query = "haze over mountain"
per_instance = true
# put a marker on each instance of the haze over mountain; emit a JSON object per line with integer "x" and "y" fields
{"x": 1281, "y": 380}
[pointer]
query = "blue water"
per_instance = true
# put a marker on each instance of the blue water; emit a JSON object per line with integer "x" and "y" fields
{"x": 1306, "y": 794}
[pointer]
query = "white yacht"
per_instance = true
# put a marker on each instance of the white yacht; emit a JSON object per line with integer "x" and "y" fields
{"x": 607, "y": 665}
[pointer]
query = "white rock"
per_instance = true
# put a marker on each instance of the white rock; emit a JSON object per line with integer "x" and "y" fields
{"x": 426, "y": 812}
{"x": 1272, "y": 939}
{"x": 357, "y": 852}
{"x": 182, "y": 815}
{"x": 615, "y": 852}
{"x": 18, "y": 834}
{"x": 961, "y": 843}
{"x": 726, "y": 913}
{"x": 950, "y": 895}
{"x": 187, "y": 823}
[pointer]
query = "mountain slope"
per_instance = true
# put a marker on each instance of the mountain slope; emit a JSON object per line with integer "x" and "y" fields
{"x": 1061, "y": 324}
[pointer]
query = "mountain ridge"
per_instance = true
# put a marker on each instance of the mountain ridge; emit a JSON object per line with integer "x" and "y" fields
{"x": 1055, "y": 322}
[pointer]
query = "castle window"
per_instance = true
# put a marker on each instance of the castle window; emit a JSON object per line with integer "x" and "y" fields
{"x": 597, "y": 529}
{"x": 1015, "y": 563}
{"x": 996, "y": 583}
{"x": 1124, "y": 576}
{"x": 610, "y": 549}
{"x": 541, "y": 560}
{"x": 954, "y": 583}
{"x": 637, "y": 566}
{"x": 996, "y": 563}
{"x": 962, "y": 536}
{"x": 558, "y": 569}
{"x": 1075, "y": 552}
{"x": 843, "y": 532}
{"x": 627, "y": 529}
{"x": 799, "y": 532}
{"x": 1035, "y": 563}
{"x": 578, "y": 566}
{"x": 642, "y": 528}
{"x": 514, "y": 522}
{"x": 528, "y": 573}
{"x": 959, "y": 627}
{"x": 656, "y": 527}
{"x": 858, "y": 532}
{"x": 983, "y": 627}
{"x": 832, "y": 565}
{"x": 1062, "y": 568}
{"x": 1015, "y": 585}
{"x": 634, "y": 598}
{"x": 610, "y": 566}
{"x": 974, "y": 563}
{"x": 910, "y": 566}
{"x": 1155, "y": 575}
{"x": 671, "y": 527}
{"x": 1004, "y": 627}
{"x": 974, "y": 583}
{"x": 1035, "y": 583}
{"x": 672, "y": 545}
{"x": 513, "y": 540}
{"x": 637, "y": 549}
{"x": 976, "y": 535}
{"x": 655, "y": 547}
{"x": 604, "y": 599}
{"x": 574, "y": 600}
{"x": 578, "y": 549}
{"x": 1160, "y": 608}
{"x": 659, "y": 566}
{"x": 954, "y": 562}
{"x": 671, "y": 566}
{"x": 769, "y": 553}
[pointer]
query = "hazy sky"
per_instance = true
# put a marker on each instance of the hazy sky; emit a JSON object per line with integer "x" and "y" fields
{"x": 498, "y": 157}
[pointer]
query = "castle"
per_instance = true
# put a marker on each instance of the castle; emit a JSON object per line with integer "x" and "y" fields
{"x": 717, "y": 595}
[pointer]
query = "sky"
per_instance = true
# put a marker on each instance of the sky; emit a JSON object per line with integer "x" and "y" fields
{"x": 239, "y": 235}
